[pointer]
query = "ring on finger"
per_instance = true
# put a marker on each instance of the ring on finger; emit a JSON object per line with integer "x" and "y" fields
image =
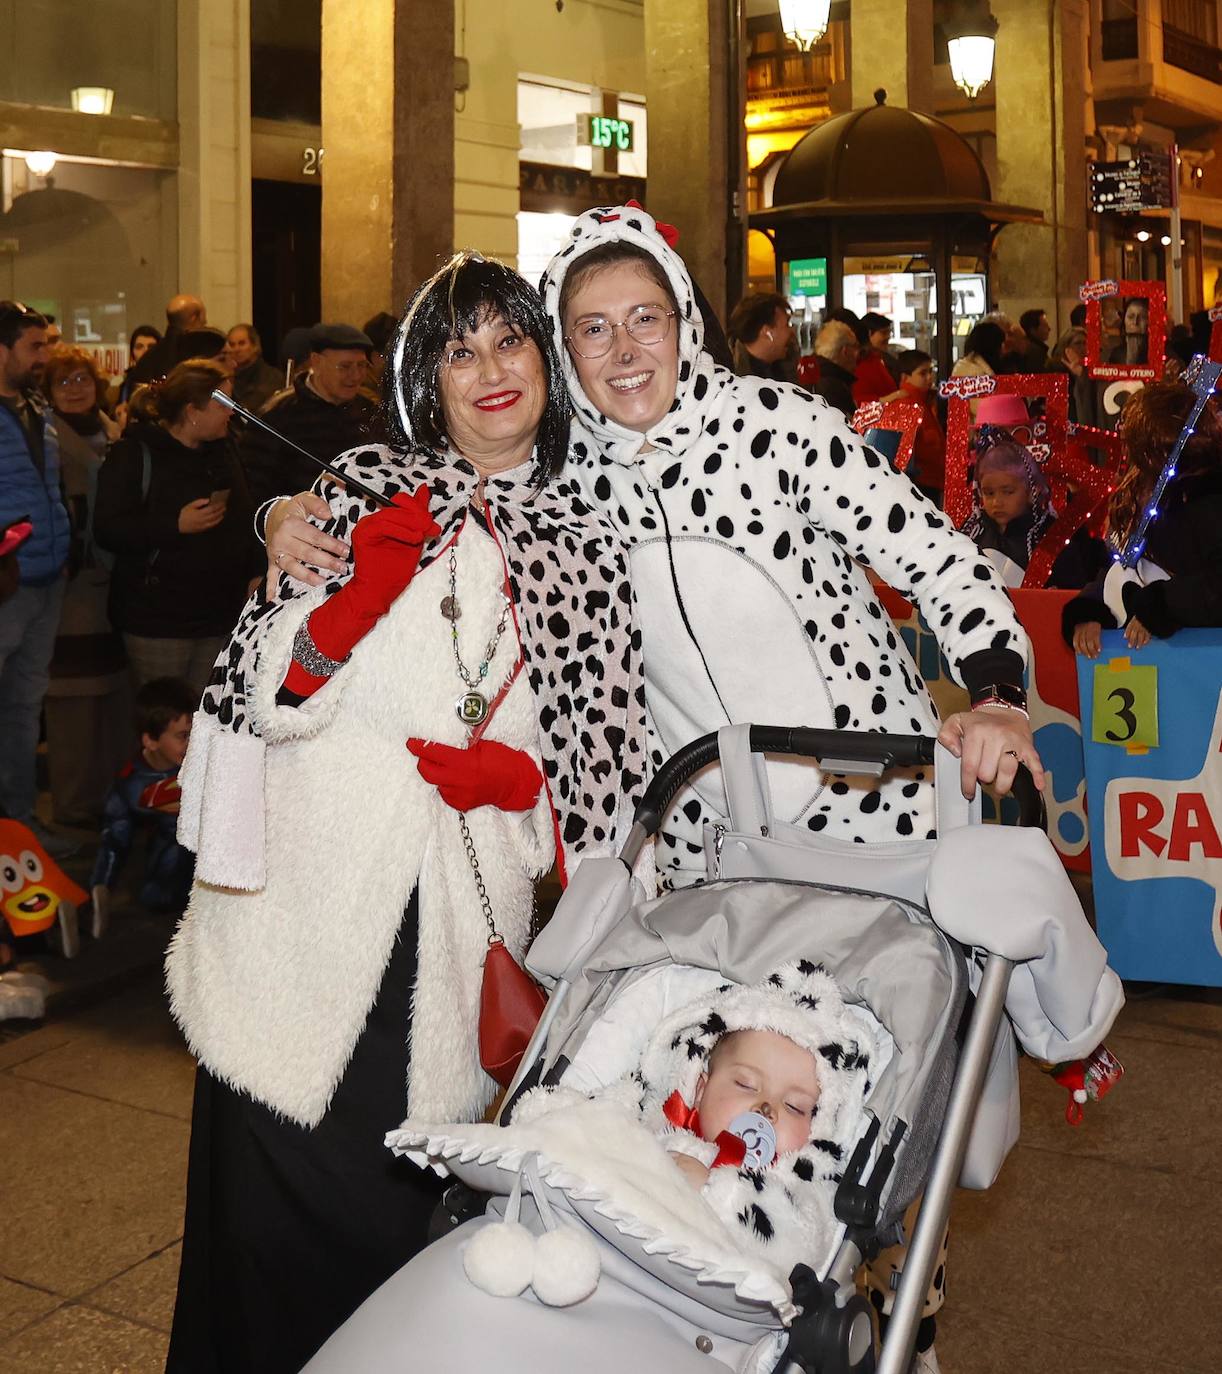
{"x": 1013, "y": 753}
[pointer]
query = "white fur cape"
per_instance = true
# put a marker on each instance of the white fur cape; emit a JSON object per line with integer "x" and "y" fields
{"x": 272, "y": 987}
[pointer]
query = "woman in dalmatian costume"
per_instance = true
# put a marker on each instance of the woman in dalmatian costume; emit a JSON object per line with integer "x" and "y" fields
{"x": 456, "y": 709}
{"x": 751, "y": 512}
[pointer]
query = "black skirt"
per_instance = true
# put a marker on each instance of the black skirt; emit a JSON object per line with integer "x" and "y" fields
{"x": 289, "y": 1230}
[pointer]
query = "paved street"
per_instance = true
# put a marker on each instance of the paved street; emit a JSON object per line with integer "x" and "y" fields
{"x": 1081, "y": 1258}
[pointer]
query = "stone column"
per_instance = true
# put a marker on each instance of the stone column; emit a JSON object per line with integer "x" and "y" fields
{"x": 214, "y": 156}
{"x": 891, "y": 45}
{"x": 388, "y": 170}
{"x": 1041, "y": 154}
{"x": 696, "y": 136}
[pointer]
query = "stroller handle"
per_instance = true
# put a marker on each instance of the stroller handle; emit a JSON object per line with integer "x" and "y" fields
{"x": 875, "y": 751}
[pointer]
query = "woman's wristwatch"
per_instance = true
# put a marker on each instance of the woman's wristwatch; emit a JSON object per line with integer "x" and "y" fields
{"x": 1000, "y": 694}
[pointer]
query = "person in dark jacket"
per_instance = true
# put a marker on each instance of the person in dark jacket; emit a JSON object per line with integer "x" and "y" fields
{"x": 324, "y": 411}
{"x": 30, "y": 490}
{"x": 1179, "y": 581}
{"x": 187, "y": 335}
{"x": 1012, "y": 511}
{"x": 762, "y": 337}
{"x": 1036, "y": 332}
{"x": 255, "y": 380}
{"x": 837, "y": 349}
{"x": 173, "y": 507}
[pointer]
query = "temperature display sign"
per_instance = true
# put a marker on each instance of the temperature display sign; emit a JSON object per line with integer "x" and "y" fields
{"x": 605, "y": 131}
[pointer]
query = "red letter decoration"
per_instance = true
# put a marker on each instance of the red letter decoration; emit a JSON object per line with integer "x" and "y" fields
{"x": 903, "y": 417}
{"x": 1154, "y": 293}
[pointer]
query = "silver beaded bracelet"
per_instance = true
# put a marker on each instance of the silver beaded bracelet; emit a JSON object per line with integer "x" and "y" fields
{"x": 311, "y": 657}
{"x": 261, "y": 514}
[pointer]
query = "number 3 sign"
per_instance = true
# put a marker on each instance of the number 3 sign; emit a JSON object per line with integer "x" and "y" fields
{"x": 1126, "y": 705}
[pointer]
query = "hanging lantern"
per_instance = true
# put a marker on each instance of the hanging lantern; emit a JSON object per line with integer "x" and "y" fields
{"x": 971, "y": 39}
{"x": 805, "y": 21}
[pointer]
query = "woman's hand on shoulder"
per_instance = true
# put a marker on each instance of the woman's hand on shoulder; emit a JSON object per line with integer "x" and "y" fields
{"x": 1136, "y": 636}
{"x": 297, "y": 547}
{"x": 990, "y": 742}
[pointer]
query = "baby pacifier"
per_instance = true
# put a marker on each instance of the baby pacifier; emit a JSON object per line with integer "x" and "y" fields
{"x": 758, "y": 1136}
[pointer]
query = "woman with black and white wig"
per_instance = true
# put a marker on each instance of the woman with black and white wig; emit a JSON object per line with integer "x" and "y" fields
{"x": 460, "y": 700}
{"x": 751, "y": 511}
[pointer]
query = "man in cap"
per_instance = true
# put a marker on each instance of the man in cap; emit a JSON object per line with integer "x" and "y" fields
{"x": 324, "y": 411}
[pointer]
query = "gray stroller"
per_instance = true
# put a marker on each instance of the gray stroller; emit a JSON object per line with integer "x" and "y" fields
{"x": 953, "y": 947}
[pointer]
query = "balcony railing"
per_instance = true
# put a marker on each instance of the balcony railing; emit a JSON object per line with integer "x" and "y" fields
{"x": 1191, "y": 55}
{"x": 784, "y": 72}
{"x": 1119, "y": 39}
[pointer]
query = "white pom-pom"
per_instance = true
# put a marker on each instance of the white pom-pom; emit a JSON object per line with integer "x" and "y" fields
{"x": 1079, "y": 1095}
{"x": 567, "y": 1267}
{"x": 499, "y": 1259}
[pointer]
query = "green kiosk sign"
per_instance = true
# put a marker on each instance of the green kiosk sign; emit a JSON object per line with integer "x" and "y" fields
{"x": 808, "y": 277}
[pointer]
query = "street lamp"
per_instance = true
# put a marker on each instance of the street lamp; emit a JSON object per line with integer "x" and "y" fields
{"x": 40, "y": 164}
{"x": 805, "y": 21}
{"x": 971, "y": 41}
{"x": 94, "y": 100}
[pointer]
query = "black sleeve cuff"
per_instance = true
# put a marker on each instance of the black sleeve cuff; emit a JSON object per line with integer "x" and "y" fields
{"x": 988, "y": 666}
{"x": 1080, "y": 611}
{"x": 1149, "y": 605}
{"x": 285, "y": 697}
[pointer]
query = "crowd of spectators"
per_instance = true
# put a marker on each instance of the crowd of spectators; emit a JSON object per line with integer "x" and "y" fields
{"x": 127, "y": 548}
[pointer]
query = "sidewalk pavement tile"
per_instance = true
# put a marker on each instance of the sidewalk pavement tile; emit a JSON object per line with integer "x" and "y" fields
{"x": 89, "y": 1188}
{"x": 1092, "y": 1250}
{"x": 128, "y": 1052}
{"x": 20, "y": 1305}
{"x": 980, "y": 1342}
{"x": 78, "y": 1340}
{"x": 145, "y": 1293}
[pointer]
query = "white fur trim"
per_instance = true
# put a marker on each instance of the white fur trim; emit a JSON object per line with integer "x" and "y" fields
{"x": 598, "y": 1154}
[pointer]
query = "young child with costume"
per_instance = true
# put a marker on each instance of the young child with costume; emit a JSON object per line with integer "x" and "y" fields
{"x": 1178, "y": 582}
{"x": 1012, "y": 511}
{"x": 146, "y": 793}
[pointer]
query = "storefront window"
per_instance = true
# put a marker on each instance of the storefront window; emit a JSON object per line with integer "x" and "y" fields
{"x": 126, "y": 47}
{"x": 905, "y": 291}
{"x": 94, "y": 246}
{"x": 551, "y": 117}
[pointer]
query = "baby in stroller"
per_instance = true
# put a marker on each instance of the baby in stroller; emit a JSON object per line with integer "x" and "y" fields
{"x": 595, "y": 1251}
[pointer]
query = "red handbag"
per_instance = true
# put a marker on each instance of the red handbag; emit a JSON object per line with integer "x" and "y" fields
{"x": 510, "y": 1004}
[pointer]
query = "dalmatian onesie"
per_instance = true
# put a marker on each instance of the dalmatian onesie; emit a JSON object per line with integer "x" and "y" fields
{"x": 751, "y": 512}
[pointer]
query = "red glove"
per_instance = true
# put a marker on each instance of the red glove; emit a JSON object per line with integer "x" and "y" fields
{"x": 486, "y": 774}
{"x": 386, "y": 549}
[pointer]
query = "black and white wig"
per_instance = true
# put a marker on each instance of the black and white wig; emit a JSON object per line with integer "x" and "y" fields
{"x": 456, "y": 300}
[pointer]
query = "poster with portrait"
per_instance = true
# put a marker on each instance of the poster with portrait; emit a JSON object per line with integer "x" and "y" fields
{"x": 1126, "y": 329}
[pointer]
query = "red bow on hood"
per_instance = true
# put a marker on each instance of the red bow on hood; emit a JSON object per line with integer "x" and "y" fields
{"x": 668, "y": 231}
{"x": 731, "y": 1149}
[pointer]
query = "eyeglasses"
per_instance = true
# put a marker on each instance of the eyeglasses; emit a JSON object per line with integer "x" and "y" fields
{"x": 76, "y": 379}
{"x": 354, "y": 368}
{"x": 594, "y": 337}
